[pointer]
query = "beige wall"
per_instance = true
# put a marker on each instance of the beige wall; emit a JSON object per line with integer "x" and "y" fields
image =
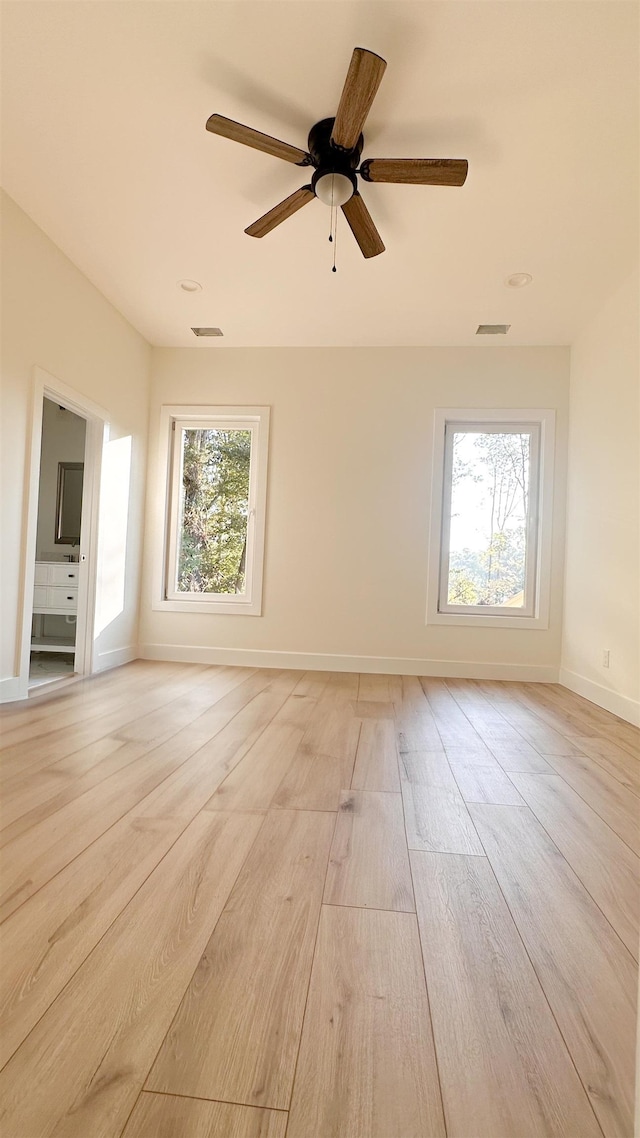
{"x": 348, "y": 502}
{"x": 349, "y": 483}
{"x": 602, "y": 609}
{"x": 54, "y": 318}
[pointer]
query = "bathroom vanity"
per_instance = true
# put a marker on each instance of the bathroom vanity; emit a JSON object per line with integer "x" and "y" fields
{"x": 55, "y": 593}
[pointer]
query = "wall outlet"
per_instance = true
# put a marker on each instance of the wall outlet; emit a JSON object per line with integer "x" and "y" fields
{"x": 605, "y": 658}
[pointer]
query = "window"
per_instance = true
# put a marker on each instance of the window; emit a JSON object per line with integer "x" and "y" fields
{"x": 490, "y": 547}
{"x": 216, "y": 509}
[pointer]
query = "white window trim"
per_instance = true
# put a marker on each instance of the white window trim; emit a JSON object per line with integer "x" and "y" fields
{"x": 255, "y": 419}
{"x": 541, "y": 519}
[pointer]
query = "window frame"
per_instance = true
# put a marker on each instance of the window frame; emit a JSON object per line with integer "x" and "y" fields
{"x": 541, "y": 424}
{"x": 175, "y": 419}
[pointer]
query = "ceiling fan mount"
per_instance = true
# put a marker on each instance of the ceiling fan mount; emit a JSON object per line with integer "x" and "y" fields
{"x": 335, "y": 147}
{"x": 325, "y": 155}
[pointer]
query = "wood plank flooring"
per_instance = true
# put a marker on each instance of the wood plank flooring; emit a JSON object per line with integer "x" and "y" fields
{"x": 242, "y": 903}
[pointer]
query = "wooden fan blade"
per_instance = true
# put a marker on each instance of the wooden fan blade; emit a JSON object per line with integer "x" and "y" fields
{"x": 218, "y": 124}
{"x": 281, "y": 212}
{"x": 363, "y": 79}
{"x": 362, "y": 227}
{"x": 416, "y": 171}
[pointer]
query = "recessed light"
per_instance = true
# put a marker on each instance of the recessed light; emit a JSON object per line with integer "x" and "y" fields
{"x": 492, "y": 329}
{"x": 207, "y": 331}
{"x": 518, "y": 280}
{"x": 190, "y": 286}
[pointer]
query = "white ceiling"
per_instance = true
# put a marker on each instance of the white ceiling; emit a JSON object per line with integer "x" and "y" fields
{"x": 104, "y": 146}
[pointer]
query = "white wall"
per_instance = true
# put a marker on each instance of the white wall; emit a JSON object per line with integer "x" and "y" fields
{"x": 349, "y": 485}
{"x": 602, "y": 605}
{"x": 54, "y": 318}
{"x": 348, "y": 504}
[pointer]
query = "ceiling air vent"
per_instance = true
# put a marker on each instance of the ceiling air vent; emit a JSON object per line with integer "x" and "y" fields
{"x": 492, "y": 329}
{"x": 207, "y": 331}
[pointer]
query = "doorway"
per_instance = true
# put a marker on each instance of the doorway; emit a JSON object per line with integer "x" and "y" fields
{"x": 58, "y": 534}
{"x": 67, "y": 440}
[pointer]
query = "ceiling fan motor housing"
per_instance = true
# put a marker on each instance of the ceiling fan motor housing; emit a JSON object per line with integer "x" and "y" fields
{"x": 330, "y": 159}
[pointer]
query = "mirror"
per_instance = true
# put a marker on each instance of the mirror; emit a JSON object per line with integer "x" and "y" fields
{"x": 69, "y": 503}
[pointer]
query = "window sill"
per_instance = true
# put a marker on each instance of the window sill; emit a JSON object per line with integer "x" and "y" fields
{"x": 214, "y": 608}
{"x": 493, "y": 620}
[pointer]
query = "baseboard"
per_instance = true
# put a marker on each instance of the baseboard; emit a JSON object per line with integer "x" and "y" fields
{"x": 620, "y": 705}
{"x": 115, "y": 657}
{"x": 318, "y": 661}
{"x": 12, "y": 689}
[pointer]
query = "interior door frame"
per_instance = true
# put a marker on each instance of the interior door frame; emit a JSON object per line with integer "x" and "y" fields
{"x": 46, "y": 386}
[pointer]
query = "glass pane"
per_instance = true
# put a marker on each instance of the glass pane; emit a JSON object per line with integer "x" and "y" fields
{"x": 489, "y": 502}
{"x": 214, "y": 510}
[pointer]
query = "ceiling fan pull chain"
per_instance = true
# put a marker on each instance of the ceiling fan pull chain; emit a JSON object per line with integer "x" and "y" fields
{"x": 333, "y": 223}
{"x": 331, "y": 213}
{"x": 335, "y": 242}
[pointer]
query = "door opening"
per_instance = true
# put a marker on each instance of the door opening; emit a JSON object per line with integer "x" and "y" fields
{"x": 58, "y": 534}
{"x": 59, "y": 557}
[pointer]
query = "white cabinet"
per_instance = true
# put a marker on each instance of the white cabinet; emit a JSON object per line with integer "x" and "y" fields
{"x": 57, "y": 573}
{"x": 55, "y": 599}
{"x": 55, "y": 592}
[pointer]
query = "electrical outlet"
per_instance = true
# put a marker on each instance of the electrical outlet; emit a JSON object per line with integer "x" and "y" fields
{"x": 605, "y": 658}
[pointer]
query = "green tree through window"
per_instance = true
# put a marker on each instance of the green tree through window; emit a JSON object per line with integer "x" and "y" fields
{"x": 214, "y": 510}
{"x": 489, "y": 508}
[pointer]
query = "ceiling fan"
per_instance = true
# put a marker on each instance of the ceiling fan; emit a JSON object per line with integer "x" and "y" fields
{"x": 335, "y": 146}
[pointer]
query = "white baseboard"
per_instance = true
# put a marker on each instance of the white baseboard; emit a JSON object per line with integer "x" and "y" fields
{"x": 318, "y": 661}
{"x": 115, "y": 657}
{"x": 13, "y": 688}
{"x": 620, "y": 705}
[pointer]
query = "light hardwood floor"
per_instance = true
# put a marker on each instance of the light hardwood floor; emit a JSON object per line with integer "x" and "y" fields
{"x": 242, "y": 903}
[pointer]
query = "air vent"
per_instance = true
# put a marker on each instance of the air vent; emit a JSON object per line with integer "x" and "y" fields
{"x": 492, "y": 329}
{"x": 207, "y": 331}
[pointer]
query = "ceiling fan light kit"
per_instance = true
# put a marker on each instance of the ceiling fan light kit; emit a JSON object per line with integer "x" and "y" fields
{"x": 333, "y": 189}
{"x": 335, "y": 146}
